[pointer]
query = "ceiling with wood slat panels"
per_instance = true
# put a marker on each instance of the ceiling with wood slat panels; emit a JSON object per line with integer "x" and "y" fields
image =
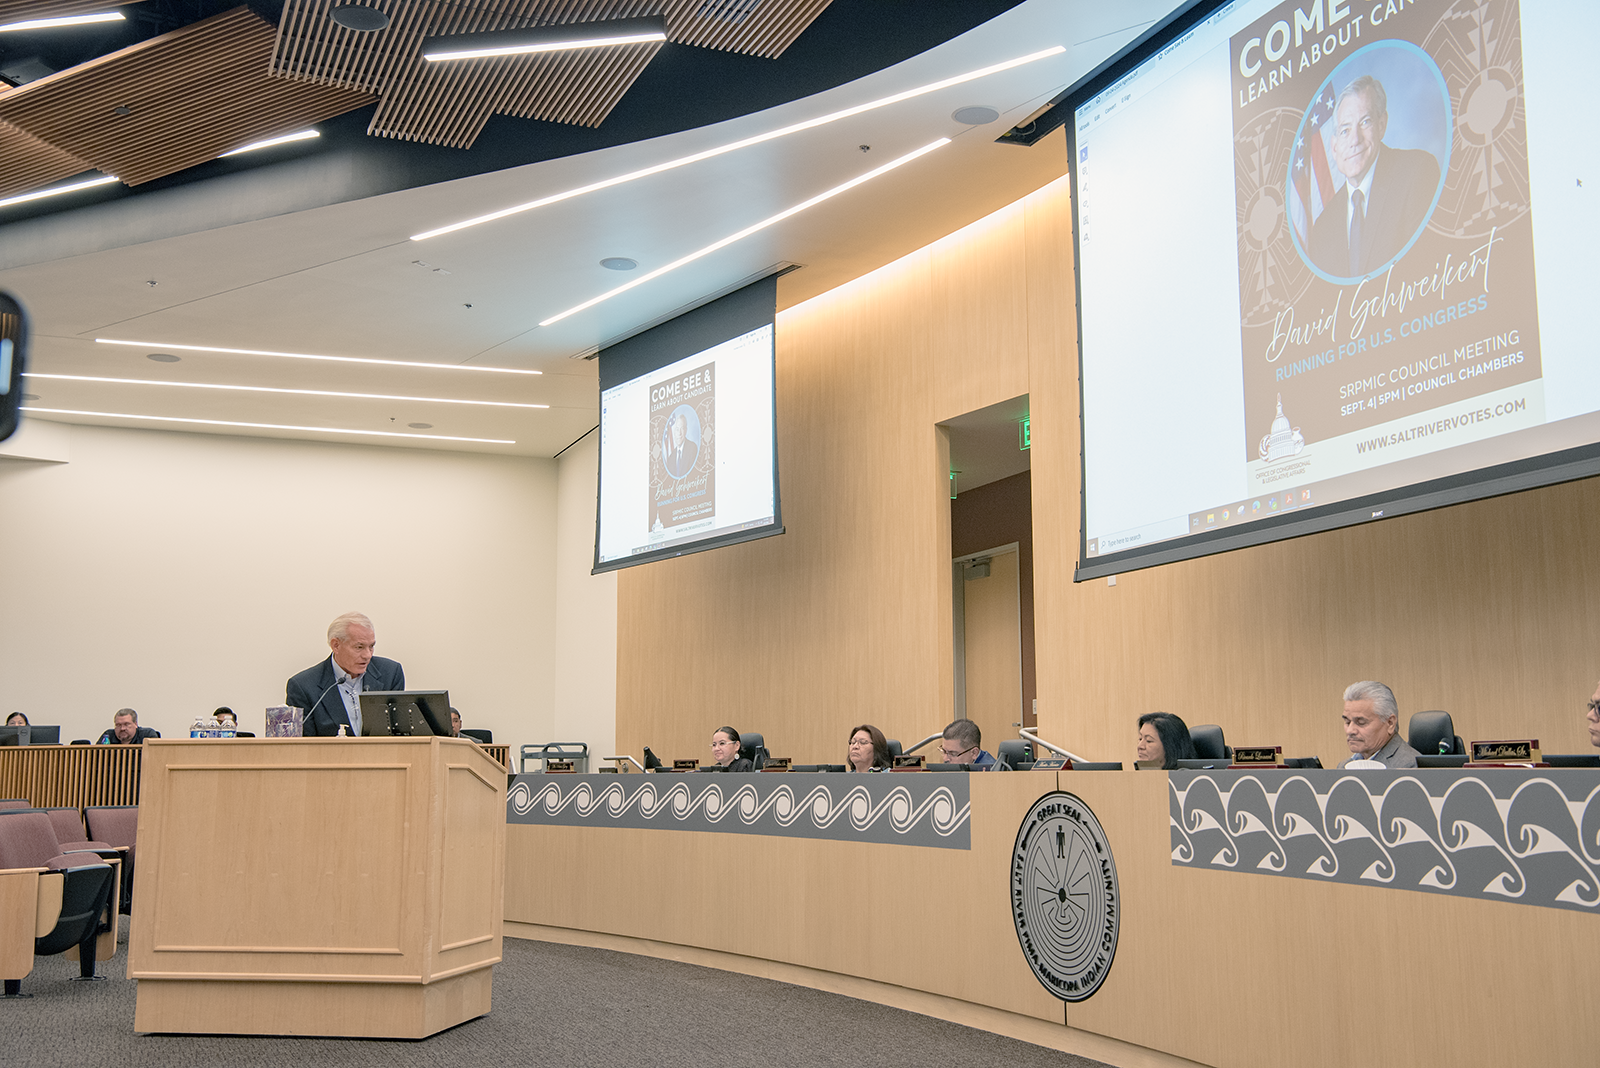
{"x": 449, "y": 103}
{"x": 192, "y": 94}
{"x": 27, "y": 162}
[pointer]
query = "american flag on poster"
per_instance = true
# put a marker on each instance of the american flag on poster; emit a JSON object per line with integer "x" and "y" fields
{"x": 1313, "y": 182}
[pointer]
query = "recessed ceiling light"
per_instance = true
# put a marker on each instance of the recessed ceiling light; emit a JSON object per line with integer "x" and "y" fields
{"x": 71, "y": 187}
{"x": 273, "y": 142}
{"x": 747, "y": 231}
{"x": 270, "y": 426}
{"x": 313, "y": 356}
{"x": 565, "y": 37}
{"x": 279, "y": 389}
{"x": 977, "y": 115}
{"x": 122, "y": 109}
{"x": 358, "y": 18}
{"x": 30, "y": 396}
{"x": 163, "y": 357}
{"x": 618, "y": 263}
{"x": 683, "y": 161}
{"x": 64, "y": 20}
{"x": 420, "y": 426}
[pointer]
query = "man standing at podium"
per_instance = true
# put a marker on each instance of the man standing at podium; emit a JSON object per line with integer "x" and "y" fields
{"x": 330, "y": 692}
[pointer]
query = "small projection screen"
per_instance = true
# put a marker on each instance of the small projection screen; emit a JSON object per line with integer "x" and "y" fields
{"x": 688, "y": 446}
{"x": 1332, "y": 266}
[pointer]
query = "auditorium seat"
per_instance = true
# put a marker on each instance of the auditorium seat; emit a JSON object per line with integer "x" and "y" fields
{"x": 1013, "y": 751}
{"x": 76, "y": 891}
{"x": 1429, "y": 731}
{"x": 15, "y": 802}
{"x": 1209, "y": 743}
{"x": 68, "y": 823}
{"x": 117, "y": 825}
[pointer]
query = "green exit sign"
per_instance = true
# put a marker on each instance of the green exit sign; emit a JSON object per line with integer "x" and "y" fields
{"x": 1024, "y": 435}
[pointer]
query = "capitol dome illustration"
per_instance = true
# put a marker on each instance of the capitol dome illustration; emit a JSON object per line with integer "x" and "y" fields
{"x": 1283, "y": 441}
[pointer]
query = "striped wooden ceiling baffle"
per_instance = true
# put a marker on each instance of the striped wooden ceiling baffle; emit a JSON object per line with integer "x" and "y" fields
{"x": 448, "y": 103}
{"x": 26, "y": 163}
{"x": 188, "y": 96}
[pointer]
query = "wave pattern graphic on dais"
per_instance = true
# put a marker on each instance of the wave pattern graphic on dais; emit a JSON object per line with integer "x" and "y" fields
{"x": 1523, "y": 836}
{"x": 900, "y": 810}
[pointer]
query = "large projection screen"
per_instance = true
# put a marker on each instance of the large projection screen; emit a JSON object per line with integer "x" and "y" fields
{"x": 1331, "y": 258}
{"x": 688, "y": 433}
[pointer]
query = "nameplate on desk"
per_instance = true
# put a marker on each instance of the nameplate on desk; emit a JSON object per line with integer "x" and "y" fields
{"x": 1257, "y": 755}
{"x": 777, "y": 764}
{"x": 1052, "y": 764}
{"x": 907, "y": 763}
{"x": 559, "y": 767}
{"x": 1514, "y": 751}
{"x": 685, "y": 765}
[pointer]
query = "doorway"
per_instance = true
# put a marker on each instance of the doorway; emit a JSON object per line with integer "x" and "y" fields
{"x": 988, "y": 641}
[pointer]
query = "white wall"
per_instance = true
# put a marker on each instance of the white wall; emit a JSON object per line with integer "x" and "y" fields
{"x": 175, "y": 572}
{"x": 586, "y": 613}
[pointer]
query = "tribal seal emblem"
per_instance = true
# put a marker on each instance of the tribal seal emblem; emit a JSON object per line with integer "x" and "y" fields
{"x": 1064, "y": 896}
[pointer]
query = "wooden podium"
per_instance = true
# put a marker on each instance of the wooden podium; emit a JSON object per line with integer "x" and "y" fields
{"x": 317, "y": 886}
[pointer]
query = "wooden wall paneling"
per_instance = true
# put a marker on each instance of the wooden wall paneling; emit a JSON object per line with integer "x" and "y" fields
{"x": 1489, "y": 610}
{"x": 978, "y": 303}
{"x": 1053, "y": 460}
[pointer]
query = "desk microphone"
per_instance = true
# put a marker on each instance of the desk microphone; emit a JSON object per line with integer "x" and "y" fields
{"x": 307, "y": 717}
{"x": 1445, "y": 746}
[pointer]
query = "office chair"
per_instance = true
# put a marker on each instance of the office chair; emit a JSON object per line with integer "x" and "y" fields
{"x": 1013, "y": 751}
{"x": 1433, "y": 733}
{"x": 894, "y": 748}
{"x": 1208, "y": 742}
{"x": 753, "y": 747}
{"x": 478, "y": 734}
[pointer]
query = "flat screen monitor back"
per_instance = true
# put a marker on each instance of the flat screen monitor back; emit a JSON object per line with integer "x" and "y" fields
{"x": 404, "y": 713}
{"x": 40, "y": 735}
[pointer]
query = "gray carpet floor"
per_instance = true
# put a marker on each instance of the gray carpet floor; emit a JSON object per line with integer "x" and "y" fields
{"x": 553, "y": 1005}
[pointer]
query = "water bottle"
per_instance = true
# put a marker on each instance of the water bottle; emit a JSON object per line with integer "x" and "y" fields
{"x": 197, "y": 729}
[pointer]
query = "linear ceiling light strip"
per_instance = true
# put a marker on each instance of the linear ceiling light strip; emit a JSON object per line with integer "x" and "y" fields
{"x": 277, "y": 389}
{"x": 63, "y": 20}
{"x": 267, "y": 426}
{"x": 747, "y": 231}
{"x": 40, "y": 194}
{"x": 311, "y": 356}
{"x": 746, "y": 143}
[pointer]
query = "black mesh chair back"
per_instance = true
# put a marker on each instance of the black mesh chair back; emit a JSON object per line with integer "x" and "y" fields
{"x": 1013, "y": 751}
{"x": 1434, "y": 734}
{"x": 753, "y": 747}
{"x": 1208, "y": 742}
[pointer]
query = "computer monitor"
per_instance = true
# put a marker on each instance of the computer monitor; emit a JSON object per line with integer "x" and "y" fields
{"x": 403, "y": 713}
{"x": 40, "y": 735}
{"x": 1572, "y": 760}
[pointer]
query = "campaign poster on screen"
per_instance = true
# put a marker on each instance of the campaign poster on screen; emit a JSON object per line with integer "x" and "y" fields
{"x": 682, "y": 450}
{"x": 1386, "y": 278}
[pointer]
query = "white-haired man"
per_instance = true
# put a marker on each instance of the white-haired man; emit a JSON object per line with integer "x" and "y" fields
{"x": 1372, "y": 726}
{"x": 330, "y": 692}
